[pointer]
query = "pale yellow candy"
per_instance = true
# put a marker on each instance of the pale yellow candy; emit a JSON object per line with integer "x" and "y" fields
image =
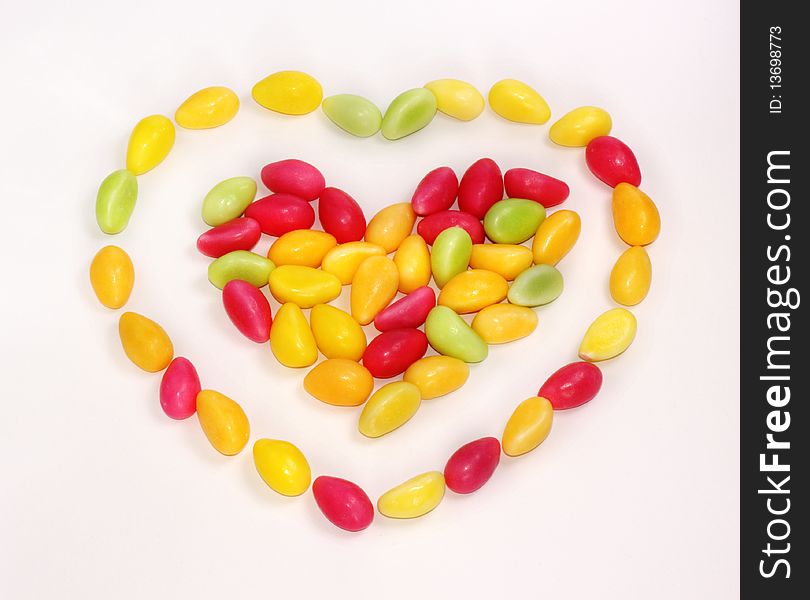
{"x": 555, "y": 237}
{"x": 373, "y": 287}
{"x": 472, "y": 290}
{"x": 528, "y": 426}
{"x": 282, "y": 466}
{"x": 289, "y": 92}
{"x": 223, "y": 421}
{"x": 578, "y": 127}
{"x": 609, "y": 335}
{"x": 631, "y": 276}
{"x": 413, "y": 498}
{"x": 389, "y": 227}
{"x": 305, "y": 247}
{"x": 412, "y": 259}
{"x": 303, "y": 286}
{"x": 437, "y": 375}
{"x": 507, "y": 260}
{"x": 149, "y": 143}
{"x": 388, "y": 408}
{"x": 516, "y": 101}
{"x": 210, "y": 107}
{"x": 457, "y": 99}
{"x": 336, "y": 332}
{"x": 343, "y": 260}
{"x": 291, "y": 339}
{"x": 502, "y": 323}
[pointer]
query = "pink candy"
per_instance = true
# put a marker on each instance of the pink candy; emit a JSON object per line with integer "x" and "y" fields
{"x": 341, "y": 216}
{"x": 295, "y": 177}
{"x": 179, "y": 388}
{"x": 472, "y": 465}
{"x": 612, "y": 161}
{"x": 433, "y": 225}
{"x": 280, "y": 213}
{"x": 437, "y": 191}
{"x": 392, "y": 352}
{"x": 248, "y": 310}
{"x": 532, "y": 185}
{"x": 572, "y": 385}
{"x": 481, "y": 186}
{"x": 408, "y": 312}
{"x": 239, "y": 234}
{"x": 344, "y": 503}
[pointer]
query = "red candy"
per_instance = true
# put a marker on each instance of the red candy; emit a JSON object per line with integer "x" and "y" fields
{"x": 341, "y": 216}
{"x": 472, "y": 465}
{"x": 391, "y": 352}
{"x": 408, "y": 312}
{"x": 239, "y": 234}
{"x": 612, "y": 161}
{"x": 572, "y": 385}
{"x": 344, "y": 503}
{"x": 432, "y": 226}
{"x": 532, "y": 185}
{"x": 295, "y": 177}
{"x": 481, "y": 186}
{"x": 248, "y": 310}
{"x": 437, "y": 191}
{"x": 179, "y": 388}
{"x": 279, "y": 213}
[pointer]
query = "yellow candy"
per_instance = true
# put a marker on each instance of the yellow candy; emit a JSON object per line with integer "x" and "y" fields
{"x": 112, "y": 276}
{"x": 414, "y": 498}
{"x": 291, "y": 339}
{"x": 344, "y": 259}
{"x": 223, "y": 421}
{"x": 289, "y": 92}
{"x": 635, "y": 215}
{"x": 470, "y": 291}
{"x": 631, "y": 276}
{"x": 337, "y": 334}
{"x": 145, "y": 342}
{"x": 578, "y": 127}
{"x": 210, "y": 107}
{"x": 282, "y": 466}
{"x": 457, "y": 99}
{"x": 507, "y": 260}
{"x": 305, "y": 247}
{"x": 303, "y": 286}
{"x": 413, "y": 263}
{"x": 390, "y": 407}
{"x": 340, "y": 382}
{"x": 609, "y": 335}
{"x": 501, "y": 323}
{"x": 149, "y": 143}
{"x": 389, "y": 227}
{"x": 373, "y": 287}
{"x": 437, "y": 375}
{"x": 528, "y": 426}
{"x": 516, "y": 101}
{"x": 555, "y": 237}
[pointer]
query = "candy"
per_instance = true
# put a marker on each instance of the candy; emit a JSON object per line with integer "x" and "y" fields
{"x": 608, "y": 336}
{"x": 408, "y": 113}
{"x": 179, "y": 388}
{"x": 223, "y": 422}
{"x": 391, "y": 352}
{"x": 116, "y": 201}
{"x": 635, "y": 215}
{"x": 343, "y": 503}
{"x": 207, "y": 108}
{"x": 373, "y": 287}
{"x": 388, "y": 408}
{"x": 451, "y": 254}
{"x": 612, "y": 161}
{"x": 149, "y": 143}
{"x": 240, "y": 264}
{"x": 239, "y": 234}
{"x": 340, "y": 382}
{"x": 470, "y": 291}
{"x": 630, "y": 277}
{"x": 471, "y": 466}
{"x": 502, "y": 323}
{"x": 248, "y": 310}
{"x": 341, "y": 216}
{"x": 437, "y": 375}
{"x": 430, "y": 227}
{"x": 507, "y": 260}
{"x": 344, "y": 260}
{"x": 579, "y": 126}
{"x": 353, "y": 114}
{"x": 538, "y": 285}
{"x": 288, "y": 92}
{"x": 572, "y": 385}
{"x": 412, "y": 259}
{"x": 528, "y": 426}
{"x": 437, "y": 191}
{"x": 282, "y": 466}
{"x": 450, "y": 335}
{"x": 516, "y": 101}
{"x": 293, "y": 176}
{"x": 301, "y": 247}
{"x": 481, "y": 186}
{"x": 112, "y": 276}
{"x": 227, "y": 200}
{"x": 413, "y": 498}
{"x": 336, "y": 333}
{"x": 304, "y": 286}
{"x": 513, "y": 221}
{"x": 145, "y": 342}
{"x": 525, "y": 183}
{"x": 291, "y": 339}
{"x": 555, "y": 237}
{"x": 457, "y": 99}
{"x": 391, "y": 225}
{"x": 281, "y": 213}
{"x": 408, "y": 312}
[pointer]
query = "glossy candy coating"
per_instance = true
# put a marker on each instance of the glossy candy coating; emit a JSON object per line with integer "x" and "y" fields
{"x": 373, "y": 287}
{"x": 389, "y": 407}
{"x": 516, "y": 101}
{"x": 115, "y": 201}
{"x": 507, "y": 260}
{"x": 293, "y": 176}
{"x": 391, "y": 225}
{"x": 471, "y": 466}
{"x": 207, "y": 108}
{"x": 528, "y": 426}
{"x": 240, "y": 264}
{"x": 341, "y": 215}
{"x": 431, "y": 226}
{"x": 457, "y": 99}
{"x": 631, "y": 276}
{"x": 437, "y": 191}
{"x": 343, "y": 260}
{"x": 572, "y": 385}
{"x": 514, "y": 220}
{"x": 408, "y": 312}
{"x": 450, "y": 335}
{"x": 537, "y": 285}
{"x": 227, "y": 200}
{"x": 450, "y": 256}
{"x": 343, "y": 503}
{"x": 353, "y": 114}
{"x": 301, "y": 247}
{"x": 340, "y": 382}
{"x": 291, "y": 339}
{"x": 149, "y": 143}
{"x": 248, "y": 309}
{"x": 223, "y": 421}
{"x": 502, "y": 323}
{"x": 179, "y": 388}
{"x": 578, "y": 127}
{"x": 281, "y": 213}
{"x": 609, "y": 335}
{"x": 145, "y": 342}
{"x": 412, "y": 259}
{"x": 480, "y": 187}
{"x": 437, "y": 375}
{"x": 555, "y": 237}
{"x": 112, "y": 276}
{"x": 288, "y": 92}
{"x": 391, "y": 352}
{"x": 408, "y": 113}
{"x": 336, "y": 333}
{"x": 304, "y": 286}
{"x": 282, "y": 466}
{"x": 413, "y": 498}
{"x": 635, "y": 215}
{"x": 532, "y": 185}
{"x": 239, "y": 234}
{"x": 612, "y": 161}
{"x": 472, "y": 290}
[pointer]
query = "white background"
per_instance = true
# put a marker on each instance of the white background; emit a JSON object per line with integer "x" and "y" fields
{"x": 632, "y": 496}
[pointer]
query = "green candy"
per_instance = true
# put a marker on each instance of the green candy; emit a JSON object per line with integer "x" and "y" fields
{"x": 450, "y": 335}
{"x": 450, "y": 254}
{"x": 408, "y": 113}
{"x": 240, "y": 264}
{"x": 227, "y": 200}
{"x": 116, "y": 201}
{"x": 354, "y": 114}
{"x": 537, "y": 285}
{"x": 513, "y": 221}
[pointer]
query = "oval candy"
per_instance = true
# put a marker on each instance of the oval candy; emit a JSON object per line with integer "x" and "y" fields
{"x": 112, "y": 276}
{"x": 412, "y": 259}
{"x": 392, "y": 352}
{"x": 179, "y": 387}
{"x": 555, "y": 237}
{"x": 373, "y": 287}
{"x": 388, "y": 408}
{"x": 572, "y": 385}
{"x": 635, "y": 215}
{"x": 537, "y": 285}
{"x": 248, "y": 309}
{"x": 343, "y": 503}
{"x": 293, "y": 176}
{"x": 291, "y": 339}
{"x": 450, "y": 335}
{"x": 437, "y": 375}
{"x": 288, "y": 92}
{"x": 457, "y": 99}
{"x": 149, "y": 143}
{"x": 408, "y": 312}
{"x": 282, "y": 466}
{"x": 516, "y": 101}
{"x": 532, "y": 185}
{"x": 480, "y": 187}
{"x": 227, "y": 200}
{"x": 431, "y": 226}
{"x": 210, "y": 107}
{"x": 609, "y": 335}
{"x": 612, "y": 161}
{"x": 343, "y": 260}
{"x": 408, "y": 113}
{"x": 301, "y": 247}
{"x": 115, "y": 201}
{"x": 240, "y": 264}
{"x": 528, "y": 426}
{"x": 437, "y": 191}
{"x": 502, "y": 323}
{"x": 513, "y": 221}
{"x": 145, "y": 342}
{"x": 281, "y": 213}
{"x": 340, "y": 382}
{"x": 473, "y": 290}
{"x": 471, "y": 466}
{"x": 391, "y": 225}
{"x": 223, "y": 422}
{"x": 336, "y": 333}
{"x": 413, "y": 498}
{"x": 578, "y": 127}
{"x": 631, "y": 276}
{"x": 341, "y": 215}
{"x": 353, "y": 114}
{"x": 507, "y": 260}
{"x": 304, "y": 286}
{"x": 450, "y": 256}
{"x": 239, "y": 234}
